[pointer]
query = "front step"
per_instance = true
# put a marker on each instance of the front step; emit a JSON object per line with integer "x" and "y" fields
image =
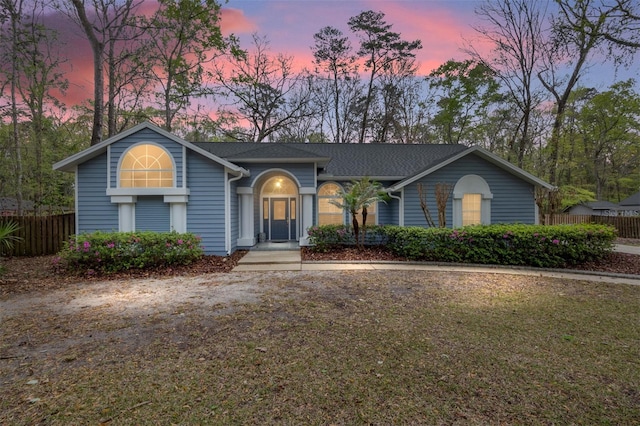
{"x": 285, "y": 260}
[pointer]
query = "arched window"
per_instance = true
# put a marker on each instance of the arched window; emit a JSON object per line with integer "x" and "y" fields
{"x": 146, "y": 166}
{"x": 471, "y": 201}
{"x": 329, "y": 213}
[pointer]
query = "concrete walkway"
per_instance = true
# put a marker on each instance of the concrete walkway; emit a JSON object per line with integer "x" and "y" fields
{"x": 627, "y": 249}
{"x": 290, "y": 260}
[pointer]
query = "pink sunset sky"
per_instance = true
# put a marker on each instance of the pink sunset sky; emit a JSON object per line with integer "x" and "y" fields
{"x": 289, "y": 25}
{"x": 443, "y": 26}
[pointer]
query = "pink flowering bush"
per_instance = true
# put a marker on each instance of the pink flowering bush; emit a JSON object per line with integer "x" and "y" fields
{"x": 107, "y": 252}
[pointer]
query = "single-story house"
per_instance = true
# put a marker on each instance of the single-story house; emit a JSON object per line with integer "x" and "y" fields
{"x": 232, "y": 194}
{"x": 630, "y": 206}
{"x": 593, "y": 208}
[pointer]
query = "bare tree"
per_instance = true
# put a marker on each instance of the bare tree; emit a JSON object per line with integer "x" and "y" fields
{"x": 515, "y": 28}
{"x": 264, "y": 91}
{"x": 103, "y": 23}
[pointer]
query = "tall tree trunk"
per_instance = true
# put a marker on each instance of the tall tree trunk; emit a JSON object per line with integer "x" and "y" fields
{"x": 97, "y": 47}
{"x": 15, "y": 12}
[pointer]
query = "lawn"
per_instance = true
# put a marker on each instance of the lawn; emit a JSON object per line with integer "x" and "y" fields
{"x": 376, "y": 347}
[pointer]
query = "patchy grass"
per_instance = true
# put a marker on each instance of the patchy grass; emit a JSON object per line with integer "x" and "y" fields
{"x": 337, "y": 348}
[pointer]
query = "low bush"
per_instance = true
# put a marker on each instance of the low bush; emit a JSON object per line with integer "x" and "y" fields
{"x": 327, "y": 237}
{"x": 107, "y": 252}
{"x": 508, "y": 244}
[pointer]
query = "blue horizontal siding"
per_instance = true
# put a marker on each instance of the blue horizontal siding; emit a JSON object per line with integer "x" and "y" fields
{"x": 513, "y": 199}
{"x": 152, "y": 214}
{"x": 95, "y": 210}
{"x": 304, "y": 173}
{"x": 205, "y": 209}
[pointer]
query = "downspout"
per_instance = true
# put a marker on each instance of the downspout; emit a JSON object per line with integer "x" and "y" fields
{"x": 227, "y": 211}
{"x": 400, "y": 206}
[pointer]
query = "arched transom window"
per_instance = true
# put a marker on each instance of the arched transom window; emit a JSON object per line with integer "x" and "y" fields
{"x": 328, "y": 213}
{"x": 146, "y": 166}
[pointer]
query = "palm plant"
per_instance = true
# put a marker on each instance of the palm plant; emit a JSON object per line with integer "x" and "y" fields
{"x": 356, "y": 196}
{"x": 7, "y": 239}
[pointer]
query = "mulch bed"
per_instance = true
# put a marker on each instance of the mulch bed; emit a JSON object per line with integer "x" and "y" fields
{"x": 615, "y": 263}
{"x": 27, "y": 274}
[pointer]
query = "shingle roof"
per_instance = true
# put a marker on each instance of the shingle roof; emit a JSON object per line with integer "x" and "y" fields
{"x": 632, "y": 200}
{"x": 344, "y": 160}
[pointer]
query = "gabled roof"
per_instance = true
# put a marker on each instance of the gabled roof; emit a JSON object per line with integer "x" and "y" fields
{"x": 276, "y": 153}
{"x": 69, "y": 164}
{"x": 633, "y": 200}
{"x": 492, "y": 158}
{"x": 595, "y": 205}
{"x": 391, "y": 162}
{"x": 341, "y": 161}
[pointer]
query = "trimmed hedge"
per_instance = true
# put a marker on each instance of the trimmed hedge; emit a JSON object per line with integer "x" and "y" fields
{"x": 327, "y": 237}
{"x": 108, "y": 252}
{"x": 509, "y": 244}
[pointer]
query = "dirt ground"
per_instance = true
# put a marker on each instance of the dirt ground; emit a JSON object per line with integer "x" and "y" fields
{"x": 29, "y": 274}
{"x": 58, "y": 325}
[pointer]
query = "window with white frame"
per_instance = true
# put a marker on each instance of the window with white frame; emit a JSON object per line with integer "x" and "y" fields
{"x": 328, "y": 213}
{"x": 146, "y": 166}
{"x": 471, "y": 209}
{"x": 471, "y": 201}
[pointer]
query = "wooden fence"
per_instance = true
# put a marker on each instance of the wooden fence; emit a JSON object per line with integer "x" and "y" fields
{"x": 41, "y": 235}
{"x": 627, "y": 226}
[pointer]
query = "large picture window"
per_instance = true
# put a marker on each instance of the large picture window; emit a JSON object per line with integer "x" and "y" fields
{"x": 146, "y": 166}
{"x": 328, "y": 213}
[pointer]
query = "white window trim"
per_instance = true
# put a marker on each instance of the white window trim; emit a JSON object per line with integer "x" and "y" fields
{"x": 126, "y": 198}
{"x": 318, "y": 196}
{"x": 471, "y": 184}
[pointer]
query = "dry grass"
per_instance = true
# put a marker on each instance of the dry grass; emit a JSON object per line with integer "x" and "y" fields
{"x": 336, "y": 348}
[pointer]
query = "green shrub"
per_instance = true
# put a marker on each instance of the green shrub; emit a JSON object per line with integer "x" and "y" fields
{"x": 508, "y": 244}
{"x": 102, "y": 252}
{"x": 327, "y": 237}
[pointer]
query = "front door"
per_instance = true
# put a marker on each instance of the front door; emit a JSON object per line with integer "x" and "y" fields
{"x": 279, "y": 218}
{"x": 280, "y": 223}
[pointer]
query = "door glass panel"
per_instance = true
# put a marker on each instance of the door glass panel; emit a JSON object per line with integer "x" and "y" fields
{"x": 292, "y": 210}
{"x": 265, "y": 209}
{"x": 279, "y": 210}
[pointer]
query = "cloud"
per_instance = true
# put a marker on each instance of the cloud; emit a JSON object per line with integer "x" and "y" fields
{"x": 236, "y": 22}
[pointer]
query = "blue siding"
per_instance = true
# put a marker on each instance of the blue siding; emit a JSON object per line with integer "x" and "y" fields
{"x": 145, "y": 135}
{"x": 513, "y": 198}
{"x": 205, "y": 209}
{"x": 304, "y": 173}
{"x": 152, "y": 214}
{"x": 95, "y": 210}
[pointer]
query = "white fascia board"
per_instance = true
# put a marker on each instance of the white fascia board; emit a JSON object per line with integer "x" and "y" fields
{"x": 69, "y": 163}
